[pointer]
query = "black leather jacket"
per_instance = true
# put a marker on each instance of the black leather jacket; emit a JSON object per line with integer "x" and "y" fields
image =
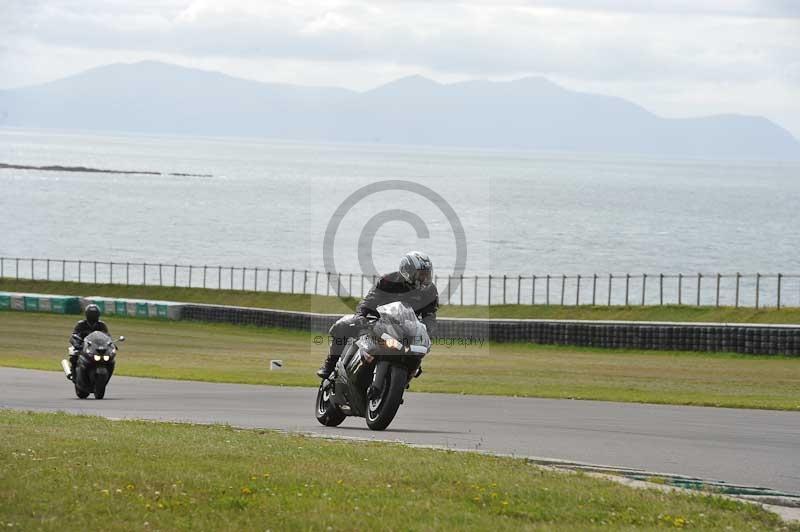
{"x": 393, "y": 287}
{"x": 83, "y": 329}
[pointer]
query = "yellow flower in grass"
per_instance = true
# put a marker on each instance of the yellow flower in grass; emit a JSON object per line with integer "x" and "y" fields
{"x": 246, "y": 491}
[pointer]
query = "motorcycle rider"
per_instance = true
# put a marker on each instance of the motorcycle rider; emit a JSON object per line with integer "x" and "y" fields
{"x": 412, "y": 284}
{"x": 83, "y": 329}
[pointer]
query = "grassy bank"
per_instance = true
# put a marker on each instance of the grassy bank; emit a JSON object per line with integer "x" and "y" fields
{"x": 330, "y": 304}
{"x": 230, "y": 353}
{"x": 159, "y": 476}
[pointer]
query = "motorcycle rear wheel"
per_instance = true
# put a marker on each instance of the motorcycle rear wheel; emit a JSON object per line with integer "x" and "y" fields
{"x": 381, "y": 411}
{"x": 328, "y": 413}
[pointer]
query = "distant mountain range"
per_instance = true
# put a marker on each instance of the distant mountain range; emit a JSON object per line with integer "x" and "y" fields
{"x": 529, "y": 113}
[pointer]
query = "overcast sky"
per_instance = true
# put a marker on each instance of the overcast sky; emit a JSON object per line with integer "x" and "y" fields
{"x": 677, "y": 58}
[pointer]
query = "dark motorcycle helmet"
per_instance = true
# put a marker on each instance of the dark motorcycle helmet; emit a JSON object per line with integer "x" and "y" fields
{"x": 416, "y": 268}
{"x": 92, "y": 313}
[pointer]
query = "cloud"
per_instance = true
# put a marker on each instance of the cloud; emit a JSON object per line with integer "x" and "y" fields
{"x": 693, "y": 44}
{"x": 599, "y": 41}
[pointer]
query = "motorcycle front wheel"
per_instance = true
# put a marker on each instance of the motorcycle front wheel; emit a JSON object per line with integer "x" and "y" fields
{"x": 101, "y": 377}
{"x": 328, "y": 413}
{"x": 381, "y": 410}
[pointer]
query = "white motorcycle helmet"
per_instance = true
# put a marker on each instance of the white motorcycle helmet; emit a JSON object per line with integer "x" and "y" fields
{"x": 417, "y": 269}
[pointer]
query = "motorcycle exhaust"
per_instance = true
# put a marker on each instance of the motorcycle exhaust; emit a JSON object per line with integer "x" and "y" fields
{"x": 65, "y": 367}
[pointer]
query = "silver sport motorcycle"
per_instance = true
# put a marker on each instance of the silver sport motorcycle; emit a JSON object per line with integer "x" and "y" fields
{"x": 374, "y": 371}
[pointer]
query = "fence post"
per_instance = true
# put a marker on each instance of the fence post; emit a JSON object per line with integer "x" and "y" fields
{"x": 627, "y": 287}
{"x": 758, "y": 287}
{"x": 205, "y": 272}
{"x": 33, "y": 277}
{"x": 339, "y": 285}
{"x": 578, "y": 290}
{"x": 160, "y": 275}
{"x": 547, "y": 290}
{"x": 361, "y": 290}
{"x": 719, "y": 276}
{"x": 350, "y": 285}
{"x": 219, "y": 277}
{"x": 475, "y": 291}
{"x": 244, "y": 276}
{"x": 699, "y": 279}
{"x": 504, "y": 289}
{"x": 519, "y": 288}
{"x": 268, "y": 272}
{"x": 80, "y": 263}
{"x": 231, "y": 276}
{"x": 563, "y": 285}
{"x": 2, "y": 267}
{"x": 449, "y": 288}
{"x": 191, "y": 270}
{"x": 680, "y": 289}
{"x": 280, "y": 279}
{"x": 110, "y": 273}
{"x": 316, "y": 281}
{"x": 255, "y": 280}
{"x": 610, "y": 277}
{"x": 780, "y": 276}
{"x": 16, "y": 269}
{"x": 292, "y": 284}
{"x": 127, "y": 274}
{"x": 660, "y": 288}
{"x": 461, "y": 290}
{"x": 63, "y": 269}
{"x": 305, "y": 280}
{"x": 48, "y": 270}
{"x": 594, "y": 289}
{"x": 533, "y": 289}
{"x": 644, "y": 287}
{"x": 328, "y": 284}
{"x": 489, "y": 299}
{"x": 738, "y": 277}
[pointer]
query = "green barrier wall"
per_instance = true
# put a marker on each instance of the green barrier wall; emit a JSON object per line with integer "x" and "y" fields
{"x": 40, "y": 303}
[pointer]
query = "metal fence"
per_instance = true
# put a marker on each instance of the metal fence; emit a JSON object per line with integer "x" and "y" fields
{"x": 756, "y": 290}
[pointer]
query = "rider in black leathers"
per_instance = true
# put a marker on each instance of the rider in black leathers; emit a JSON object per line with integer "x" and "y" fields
{"x": 83, "y": 329}
{"x": 412, "y": 285}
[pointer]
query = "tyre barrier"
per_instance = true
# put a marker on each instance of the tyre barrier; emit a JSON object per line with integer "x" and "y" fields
{"x": 738, "y": 338}
{"x": 767, "y": 339}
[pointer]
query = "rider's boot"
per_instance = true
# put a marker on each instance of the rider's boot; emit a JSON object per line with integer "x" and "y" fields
{"x": 328, "y": 366}
{"x": 73, "y": 359}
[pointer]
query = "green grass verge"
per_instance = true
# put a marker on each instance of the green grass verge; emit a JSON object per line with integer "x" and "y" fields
{"x": 60, "y": 472}
{"x": 241, "y": 354}
{"x": 330, "y": 304}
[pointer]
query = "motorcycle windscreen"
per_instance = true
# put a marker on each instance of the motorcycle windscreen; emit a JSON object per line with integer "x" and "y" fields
{"x": 400, "y": 322}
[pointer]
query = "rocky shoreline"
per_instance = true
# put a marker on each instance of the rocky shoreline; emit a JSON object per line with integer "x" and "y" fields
{"x": 59, "y": 168}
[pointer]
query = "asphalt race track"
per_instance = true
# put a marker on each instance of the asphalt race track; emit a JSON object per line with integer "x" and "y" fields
{"x": 752, "y": 447}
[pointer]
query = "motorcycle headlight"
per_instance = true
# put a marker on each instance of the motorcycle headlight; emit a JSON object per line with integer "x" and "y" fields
{"x": 394, "y": 343}
{"x": 106, "y": 358}
{"x": 97, "y": 358}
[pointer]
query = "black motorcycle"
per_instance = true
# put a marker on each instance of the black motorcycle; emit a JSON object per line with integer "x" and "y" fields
{"x": 95, "y": 364}
{"x": 373, "y": 372}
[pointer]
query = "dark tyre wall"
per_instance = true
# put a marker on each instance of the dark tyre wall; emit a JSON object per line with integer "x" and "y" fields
{"x": 739, "y": 338}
